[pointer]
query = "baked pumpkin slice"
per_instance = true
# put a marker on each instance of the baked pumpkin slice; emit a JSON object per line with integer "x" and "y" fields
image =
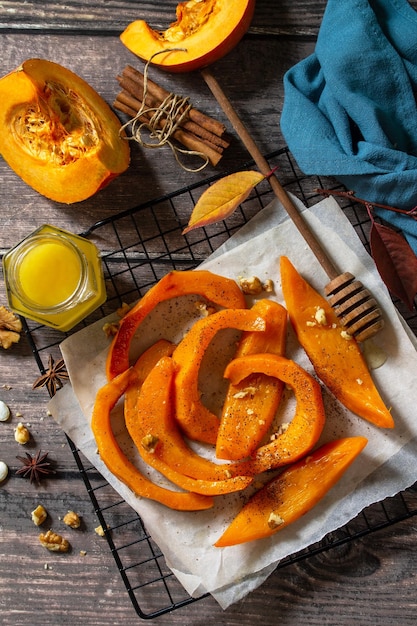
{"x": 336, "y": 357}
{"x": 293, "y": 493}
{"x": 57, "y": 133}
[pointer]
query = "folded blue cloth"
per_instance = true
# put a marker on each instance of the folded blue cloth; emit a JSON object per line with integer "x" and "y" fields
{"x": 350, "y": 108}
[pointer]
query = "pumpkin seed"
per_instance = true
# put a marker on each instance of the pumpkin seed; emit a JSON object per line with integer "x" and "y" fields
{"x": 4, "y": 412}
{"x": 4, "y": 470}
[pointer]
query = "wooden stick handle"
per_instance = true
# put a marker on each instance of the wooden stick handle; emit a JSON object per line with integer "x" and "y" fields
{"x": 264, "y": 168}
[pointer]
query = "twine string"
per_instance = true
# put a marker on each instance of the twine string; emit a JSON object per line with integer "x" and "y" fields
{"x": 163, "y": 122}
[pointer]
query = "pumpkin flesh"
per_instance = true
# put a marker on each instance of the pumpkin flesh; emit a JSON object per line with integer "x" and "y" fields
{"x": 250, "y": 405}
{"x": 149, "y": 417}
{"x": 289, "y": 496}
{"x": 196, "y": 421}
{"x": 206, "y": 29}
{"x": 58, "y": 134}
{"x": 117, "y": 462}
{"x": 337, "y": 360}
{"x": 215, "y": 289}
{"x": 298, "y": 437}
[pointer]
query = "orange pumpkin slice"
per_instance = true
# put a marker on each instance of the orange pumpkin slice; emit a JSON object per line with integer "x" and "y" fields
{"x": 118, "y": 463}
{"x": 293, "y": 493}
{"x": 250, "y": 405}
{"x": 336, "y": 357}
{"x": 206, "y": 30}
{"x": 299, "y": 436}
{"x": 195, "y": 419}
{"x": 216, "y": 289}
{"x": 57, "y": 133}
{"x": 155, "y": 416}
{"x": 149, "y": 417}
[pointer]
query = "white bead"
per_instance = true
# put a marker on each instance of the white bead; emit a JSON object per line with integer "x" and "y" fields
{"x": 4, "y": 412}
{"x": 4, "y": 470}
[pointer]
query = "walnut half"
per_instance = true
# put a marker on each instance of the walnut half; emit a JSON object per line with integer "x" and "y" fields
{"x": 72, "y": 519}
{"x": 10, "y": 328}
{"x": 54, "y": 542}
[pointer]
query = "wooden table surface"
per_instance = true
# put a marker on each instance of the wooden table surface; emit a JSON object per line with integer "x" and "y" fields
{"x": 371, "y": 580}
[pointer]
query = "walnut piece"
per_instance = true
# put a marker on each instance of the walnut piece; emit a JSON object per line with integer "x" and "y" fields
{"x": 204, "y": 308}
{"x": 21, "y": 434}
{"x": 10, "y": 328}
{"x": 124, "y": 309}
{"x": 274, "y": 520}
{"x": 110, "y": 329}
{"x": 39, "y": 515}
{"x": 253, "y": 285}
{"x": 149, "y": 442}
{"x": 244, "y": 393}
{"x": 72, "y": 519}
{"x": 320, "y": 316}
{"x": 54, "y": 542}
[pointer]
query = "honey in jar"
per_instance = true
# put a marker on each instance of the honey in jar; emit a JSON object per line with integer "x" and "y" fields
{"x": 54, "y": 277}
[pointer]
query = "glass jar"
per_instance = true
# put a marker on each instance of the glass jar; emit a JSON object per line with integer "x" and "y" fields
{"x": 54, "y": 277}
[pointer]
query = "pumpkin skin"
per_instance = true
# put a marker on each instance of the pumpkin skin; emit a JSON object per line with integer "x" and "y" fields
{"x": 57, "y": 133}
{"x": 207, "y": 29}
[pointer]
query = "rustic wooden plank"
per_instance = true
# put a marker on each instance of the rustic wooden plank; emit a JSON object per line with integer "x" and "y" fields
{"x": 367, "y": 581}
{"x": 286, "y": 18}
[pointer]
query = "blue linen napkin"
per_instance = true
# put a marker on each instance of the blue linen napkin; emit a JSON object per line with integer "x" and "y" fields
{"x": 350, "y": 108}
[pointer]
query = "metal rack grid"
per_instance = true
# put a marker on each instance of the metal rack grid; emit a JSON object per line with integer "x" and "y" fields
{"x": 146, "y": 242}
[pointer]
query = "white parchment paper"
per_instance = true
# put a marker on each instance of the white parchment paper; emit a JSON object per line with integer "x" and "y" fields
{"x": 386, "y": 466}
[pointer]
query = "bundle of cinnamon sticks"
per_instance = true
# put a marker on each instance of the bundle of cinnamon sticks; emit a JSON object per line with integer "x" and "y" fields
{"x": 197, "y": 131}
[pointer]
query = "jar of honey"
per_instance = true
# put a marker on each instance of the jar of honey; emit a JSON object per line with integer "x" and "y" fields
{"x": 54, "y": 277}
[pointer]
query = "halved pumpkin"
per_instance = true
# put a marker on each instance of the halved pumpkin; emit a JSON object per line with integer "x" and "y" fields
{"x": 57, "y": 133}
{"x": 206, "y": 29}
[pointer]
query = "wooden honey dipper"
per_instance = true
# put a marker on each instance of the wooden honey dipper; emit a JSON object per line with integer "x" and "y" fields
{"x": 351, "y": 301}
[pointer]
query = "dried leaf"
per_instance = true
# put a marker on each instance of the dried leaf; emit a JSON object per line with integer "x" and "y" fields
{"x": 222, "y": 198}
{"x": 396, "y": 262}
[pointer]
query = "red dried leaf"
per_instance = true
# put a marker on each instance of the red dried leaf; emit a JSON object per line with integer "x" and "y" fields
{"x": 396, "y": 262}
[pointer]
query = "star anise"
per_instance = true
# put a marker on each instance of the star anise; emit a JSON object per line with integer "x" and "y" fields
{"x": 53, "y": 376}
{"x": 35, "y": 467}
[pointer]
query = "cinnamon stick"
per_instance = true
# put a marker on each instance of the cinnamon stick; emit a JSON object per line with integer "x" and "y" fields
{"x": 132, "y": 87}
{"x": 190, "y": 141}
{"x": 126, "y": 98}
{"x": 158, "y": 92}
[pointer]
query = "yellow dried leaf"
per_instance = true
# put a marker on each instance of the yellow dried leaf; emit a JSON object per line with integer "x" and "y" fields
{"x": 222, "y": 198}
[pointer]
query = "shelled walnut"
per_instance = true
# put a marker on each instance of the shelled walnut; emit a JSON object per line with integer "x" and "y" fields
{"x": 39, "y": 515}
{"x": 254, "y": 286}
{"x": 72, "y": 519}
{"x": 54, "y": 542}
{"x": 99, "y": 531}
{"x": 10, "y": 328}
{"x": 21, "y": 434}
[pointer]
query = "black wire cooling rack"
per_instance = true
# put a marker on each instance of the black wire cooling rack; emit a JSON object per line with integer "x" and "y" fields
{"x": 138, "y": 247}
